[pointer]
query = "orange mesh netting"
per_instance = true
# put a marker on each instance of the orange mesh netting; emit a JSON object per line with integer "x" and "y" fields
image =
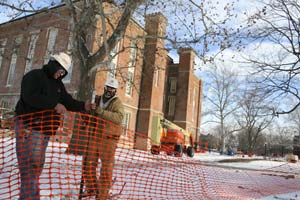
{"x": 110, "y": 167}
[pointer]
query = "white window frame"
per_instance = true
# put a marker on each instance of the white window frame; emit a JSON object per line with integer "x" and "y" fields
{"x": 126, "y": 122}
{"x": 129, "y": 83}
{"x": 114, "y": 61}
{"x": 12, "y": 67}
{"x": 2, "y": 49}
{"x": 67, "y": 79}
{"x": 112, "y": 70}
{"x": 52, "y": 35}
{"x": 13, "y": 60}
{"x": 132, "y": 56}
{"x": 131, "y": 70}
{"x": 31, "y": 49}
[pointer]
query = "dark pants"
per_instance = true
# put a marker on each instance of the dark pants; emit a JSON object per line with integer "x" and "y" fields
{"x": 30, "y": 148}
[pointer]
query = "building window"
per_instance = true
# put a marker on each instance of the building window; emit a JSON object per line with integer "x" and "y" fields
{"x": 131, "y": 69}
{"x": 126, "y": 122}
{"x": 52, "y": 34}
{"x": 173, "y": 84}
{"x": 67, "y": 79}
{"x": 30, "y": 55}
{"x": 113, "y": 62}
{"x": 112, "y": 70}
{"x": 4, "y": 104}
{"x": 129, "y": 83}
{"x": 172, "y": 102}
{"x": 12, "y": 68}
{"x": 133, "y": 55}
{"x": 13, "y": 60}
{"x": 2, "y": 48}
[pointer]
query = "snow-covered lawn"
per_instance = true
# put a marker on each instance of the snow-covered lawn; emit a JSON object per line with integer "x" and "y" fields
{"x": 255, "y": 162}
{"x": 268, "y": 165}
{"x": 141, "y": 175}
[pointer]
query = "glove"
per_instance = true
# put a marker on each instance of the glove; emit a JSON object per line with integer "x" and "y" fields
{"x": 59, "y": 108}
{"x": 99, "y": 111}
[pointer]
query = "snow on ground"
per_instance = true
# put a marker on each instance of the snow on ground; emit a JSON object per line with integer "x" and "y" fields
{"x": 290, "y": 196}
{"x": 64, "y": 172}
{"x": 253, "y": 164}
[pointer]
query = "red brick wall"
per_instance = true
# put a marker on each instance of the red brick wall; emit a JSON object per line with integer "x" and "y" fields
{"x": 130, "y": 101}
{"x": 186, "y": 83}
{"x": 152, "y": 86}
{"x": 24, "y": 26}
{"x": 148, "y": 99}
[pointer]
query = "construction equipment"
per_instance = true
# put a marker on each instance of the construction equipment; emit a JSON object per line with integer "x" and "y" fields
{"x": 170, "y": 138}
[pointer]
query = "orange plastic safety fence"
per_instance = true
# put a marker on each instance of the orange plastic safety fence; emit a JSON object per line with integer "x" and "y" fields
{"x": 36, "y": 162}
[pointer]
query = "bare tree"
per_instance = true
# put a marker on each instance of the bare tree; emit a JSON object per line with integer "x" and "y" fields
{"x": 191, "y": 24}
{"x": 277, "y": 24}
{"x": 222, "y": 101}
{"x": 294, "y": 119}
{"x": 279, "y": 141}
{"x": 84, "y": 15}
{"x": 253, "y": 117}
{"x": 281, "y": 135}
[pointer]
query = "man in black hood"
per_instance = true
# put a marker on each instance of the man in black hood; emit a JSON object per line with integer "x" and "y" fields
{"x": 42, "y": 100}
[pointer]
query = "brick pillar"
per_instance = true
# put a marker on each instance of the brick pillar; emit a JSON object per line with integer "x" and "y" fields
{"x": 153, "y": 78}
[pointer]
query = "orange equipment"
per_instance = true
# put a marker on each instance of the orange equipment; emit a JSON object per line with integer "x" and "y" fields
{"x": 170, "y": 138}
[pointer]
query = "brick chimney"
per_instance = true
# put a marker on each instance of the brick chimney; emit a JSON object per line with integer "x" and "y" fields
{"x": 186, "y": 58}
{"x": 153, "y": 76}
{"x": 189, "y": 93}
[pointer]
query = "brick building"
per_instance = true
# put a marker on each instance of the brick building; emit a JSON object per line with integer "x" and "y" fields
{"x": 150, "y": 83}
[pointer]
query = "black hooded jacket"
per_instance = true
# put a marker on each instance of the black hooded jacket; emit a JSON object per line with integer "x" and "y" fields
{"x": 39, "y": 92}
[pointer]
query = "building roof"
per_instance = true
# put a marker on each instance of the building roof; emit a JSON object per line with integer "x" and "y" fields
{"x": 46, "y": 10}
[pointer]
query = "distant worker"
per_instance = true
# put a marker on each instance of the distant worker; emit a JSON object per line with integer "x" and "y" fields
{"x": 103, "y": 144}
{"x": 41, "y": 90}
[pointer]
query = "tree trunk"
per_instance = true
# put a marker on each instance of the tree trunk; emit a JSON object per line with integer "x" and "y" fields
{"x": 88, "y": 63}
{"x": 80, "y": 132}
{"x": 222, "y": 136}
